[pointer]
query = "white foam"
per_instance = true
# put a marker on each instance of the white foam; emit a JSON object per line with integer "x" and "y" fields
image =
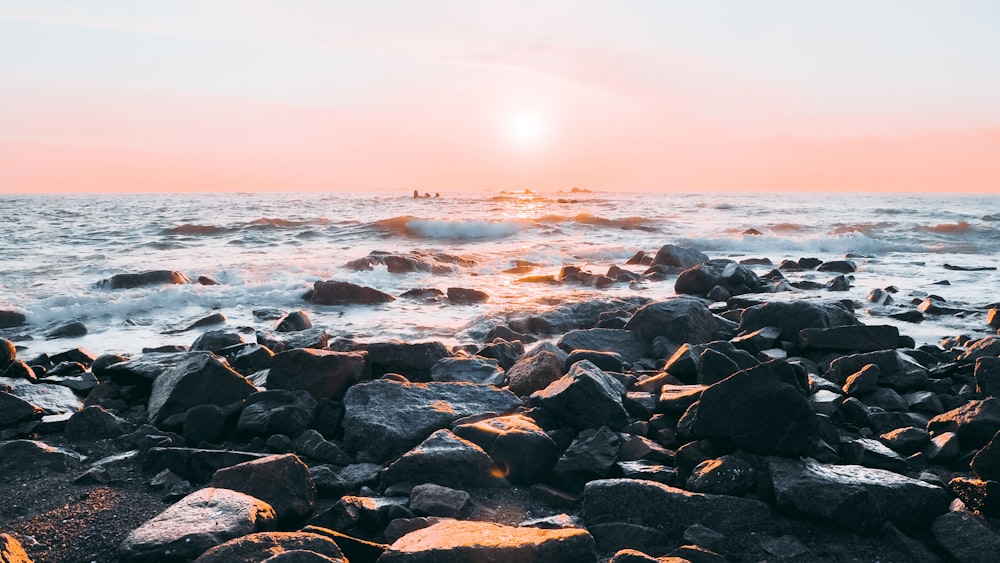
{"x": 461, "y": 230}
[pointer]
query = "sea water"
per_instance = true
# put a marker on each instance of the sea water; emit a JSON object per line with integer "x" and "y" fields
{"x": 266, "y": 250}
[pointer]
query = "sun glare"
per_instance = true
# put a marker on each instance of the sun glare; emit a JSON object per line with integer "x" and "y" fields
{"x": 526, "y": 130}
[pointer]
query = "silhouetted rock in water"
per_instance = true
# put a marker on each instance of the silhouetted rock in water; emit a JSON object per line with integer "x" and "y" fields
{"x": 345, "y": 293}
{"x": 522, "y": 451}
{"x": 969, "y": 268}
{"x": 678, "y": 320}
{"x": 444, "y": 459}
{"x": 586, "y": 397}
{"x": 384, "y": 418}
{"x": 10, "y": 319}
{"x": 155, "y": 277}
{"x": 679, "y": 257}
{"x": 215, "y": 340}
{"x": 423, "y": 294}
{"x": 287, "y": 547}
{"x": 715, "y": 275}
{"x": 194, "y": 524}
{"x": 199, "y": 379}
{"x": 281, "y": 481}
{"x": 71, "y": 329}
{"x": 838, "y": 266}
{"x": 322, "y": 373}
{"x": 314, "y": 337}
{"x": 205, "y": 280}
{"x": 465, "y": 295}
{"x": 795, "y": 316}
{"x": 456, "y": 541}
{"x": 413, "y": 360}
{"x": 855, "y": 497}
{"x": 213, "y": 319}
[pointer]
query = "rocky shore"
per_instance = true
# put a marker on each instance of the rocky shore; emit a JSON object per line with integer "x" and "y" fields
{"x": 720, "y": 425}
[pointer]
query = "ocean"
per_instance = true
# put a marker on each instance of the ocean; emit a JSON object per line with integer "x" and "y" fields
{"x": 266, "y": 250}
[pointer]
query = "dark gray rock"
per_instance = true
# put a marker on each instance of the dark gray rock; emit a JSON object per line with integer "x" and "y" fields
{"x": 370, "y": 514}
{"x": 504, "y": 352}
{"x": 727, "y": 475}
{"x": 71, "y": 329}
{"x": 534, "y": 372}
{"x": 607, "y": 361}
{"x": 468, "y": 369}
{"x": 345, "y": 293}
{"x": 647, "y": 470}
{"x": 861, "y": 338}
{"x": 520, "y": 449}
{"x": 11, "y": 319}
{"x": 444, "y": 459}
{"x": 95, "y": 423}
{"x": 14, "y": 410}
{"x": 874, "y": 454}
{"x": 977, "y": 494}
{"x": 627, "y": 344}
{"x": 466, "y": 296}
{"x": 615, "y": 536}
{"x": 145, "y": 369}
{"x": 727, "y": 275}
{"x": 279, "y": 411}
{"x": 429, "y": 499}
{"x": 982, "y": 348}
{"x": 199, "y": 379}
{"x": 312, "y": 444}
{"x": 986, "y": 463}
{"x": 678, "y": 320}
{"x": 18, "y": 369}
{"x": 205, "y": 424}
{"x": 296, "y": 320}
{"x": 591, "y": 456}
{"x": 586, "y": 397}
{"x": 23, "y": 456}
{"x": 855, "y": 497}
{"x": 793, "y": 317}
{"x": 987, "y": 374}
{"x": 193, "y": 464}
{"x": 863, "y": 381}
{"x": 896, "y": 370}
{"x": 52, "y": 399}
{"x": 907, "y": 441}
{"x": 324, "y": 374}
{"x": 155, "y": 277}
{"x": 281, "y": 481}
{"x": 975, "y": 423}
{"x": 413, "y": 360}
{"x": 194, "y": 524}
{"x": 679, "y": 256}
{"x": 966, "y": 538}
{"x": 215, "y": 340}
{"x": 268, "y": 546}
{"x": 384, "y": 418}
{"x": 315, "y": 338}
{"x": 8, "y": 352}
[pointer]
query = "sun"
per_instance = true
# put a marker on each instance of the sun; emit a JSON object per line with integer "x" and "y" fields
{"x": 526, "y": 130}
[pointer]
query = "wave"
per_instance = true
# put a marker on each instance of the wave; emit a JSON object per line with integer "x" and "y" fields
{"x": 866, "y": 228}
{"x": 624, "y": 223}
{"x": 268, "y": 222}
{"x": 413, "y": 227}
{"x": 960, "y": 227}
{"x": 197, "y": 230}
{"x": 783, "y": 247}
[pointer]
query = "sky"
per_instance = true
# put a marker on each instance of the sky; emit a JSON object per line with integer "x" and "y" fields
{"x": 447, "y": 96}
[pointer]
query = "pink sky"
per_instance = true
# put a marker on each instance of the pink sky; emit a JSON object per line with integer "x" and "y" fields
{"x": 666, "y": 96}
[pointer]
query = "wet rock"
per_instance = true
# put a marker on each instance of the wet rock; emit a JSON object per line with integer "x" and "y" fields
{"x": 944, "y": 447}
{"x": 290, "y": 322}
{"x": 8, "y": 353}
{"x": 862, "y": 338}
{"x": 966, "y": 538}
{"x": 615, "y": 536}
{"x": 52, "y": 399}
{"x": 733, "y": 278}
{"x": 906, "y": 441}
{"x": 455, "y": 541}
{"x": 194, "y": 464}
{"x": 468, "y": 369}
{"x": 199, "y": 379}
{"x": 194, "y": 524}
{"x": 855, "y": 497}
{"x": 281, "y": 481}
{"x": 384, "y": 418}
{"x": 533, "y": 372}
{"x": 466, "y": 296}
{"x": 11, "y": 319}
{"x": 155, "y": 277}
{"x": 215, "y": 340}
{"x": 679, "y": 257}
{"x": 896, "y": 370}
{"x": 324, "y": 374}
{"x": 521, "y": 451}
{"x": 345, "y": 293}
{"x": 413, "y": 360}
{"x": 982, "y": 348}
{"x": 429, "y": 294}
{"x": 871, "y": 453}
{"x": 145, "y": 369}
{"x": 444, "y": 459}
{"x": 429, "y": 499}
{"x": 279, "y": 411}
{"x": 678, "y": 320}
{"x": 784, "y": 547}
{"x": 987, "y": 374}
{"x": 627, "y": 344}
{"x": 209, "y": 320}
{"x": 668, "y": 509}
{"x": 21, "y": 456}
{"x": 95, "y": 423}
{"x": 205, "y": 424}
{"x": 986, "y": 463}
{"x": 975, "y": 423}
{"x": 505, "y": 353}
{"x": 647, "y": 470}
{"x": 591, "y": 456}
{"x": 268, "y": 546}
{"x": 839, "y": 266}
{"x": 18, "y": 369}
{"x": 14, "y": 410}
{"x": 977, "y": 494}
{"x": 760, "y": 409}
{"x": 607, "y": 361}
{"x": 312, "y": 444}
{"x": 71, "y": 329}
{"x": 795, "y": 316}
{"x": 366, "y": 513}
{"x": 586, "y": 397}
{"x": 863, "y": 381}
{"x": 727, "y": 475}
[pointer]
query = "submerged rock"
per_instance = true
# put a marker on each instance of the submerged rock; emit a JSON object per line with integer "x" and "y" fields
{"x": 155, "y": 277}
{"x": 345, "y": 293}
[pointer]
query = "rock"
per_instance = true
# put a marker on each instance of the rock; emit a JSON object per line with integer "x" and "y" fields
{"x": 986, "y": 463}
{"x": 22, "y": 456}
{"x": 205, "y": 424}
{"x": 987, "y": 374}
{"x": 906, "y": 441}
{"x": 966, "y": 538}
{"x": 589, "y": 457}
{"x": 784, "y": 547}
{"x": 315, "y": 337}
{"x": 943, "y": 448}
{"x": 861, "y": 338}
{"x": 760, "y": 409}
{"x": 52, "y": 399}
{"x": 366, "y": 513}
{"x": 8, "y": 353}
{"x": 296, "y": 320}
{"x": 145, "y": 369}
{"x": 793, "y": 317}
{"x": 679, "y": 257}
{"x": 607, "y": 361}
{"x": 14, "y": 410}
{"x": 216, "y": 340}
{"x": 628, "y": 344}
{"x": 194, "y": 464}
{"x": 634, "y": 556}
{"x": 668, "y": 509}
{"x": 269, "y": 546}
{"x": 434, "y": 500}
{"x": 896, "y": 369}
{"x": 871, "y": 453}
{"x": 733, "y": 278}
{"x": 455, "y": 541}
{"x": 586, "y": 397}
{"x": 345, "y": 293}
{"x": 413, "y": 360}
{"x": 18, "y": 369}
{"x": 197, "y": 522}
{"x": 311, "y": 443}
{"x": 984, "y": 347}
{"x": 468, "y": 369}
{"x": 615, "y": 536}
{"x": 199, "y": 379}
{"x": 855, "y": 497}
{"x": 71, "y": 329}
{"x": 281, "y": 481}
{"x": 864, "y": 381}
{"x": 466, "y": 296}
{"x": 521, "y": 451}
{"x": 279, "y": 411}
{"x": 324, "y": 374}
{"x": 155, "y": 277}
{"x": 95, "y": 423}
{"x": 678, "y": 320}
{"x": 647, "y": 470}
{"x": 209, "y": 320}
{"x": 445, "y": 459}
{"x": 357, "y": 475}
{"x": 534, "y": 372}
{"x": 977, "y": 494}
{"x": 11, "y": 319}
{"x": 839, "y": 266}
{"x": 504, "y": 352}
{"x": 727, "y": 475}
{"x": 11, "y": 550}
{"x": 975, "y": 423}
{"x": 384, "y": 418}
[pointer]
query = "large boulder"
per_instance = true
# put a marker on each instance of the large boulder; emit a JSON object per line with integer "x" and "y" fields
{"x": 200, "y": 379}
{"x": 194, "y": 464}
{"x": 14, "y": 409}
{"x": 278, "y": 411}
{"x": 384, "y": 418}
{"x": 50, "y": 398}
{"x": 455, "y": 541}
{"x": 197, "y": 522}
{"x": 896, "y": 369}
{"x": 520, "y": 449}
{"x": 718, "y": 278}
{"x": 534, "y": 371}
{"x": 10, "y": 319}
{"x": 975, "y": 422}
{"x": 861, "y": 338}
{"x": 761, "y": 409}
{"x": 586, "y": 397}
{"x": 628, "y": 344}
{"x": 267, "y": 546}
{"x": 413, "y": 360}
{"x": 282, "y": 481}
{"x": 855, "y": 497}
{"x": 668, "y": 509}
{"x": 469, "y": 369}
{"x": 322, "y": 373}
{"x": 590, "y": 456}
{"x": 142, "y": 370}
{"x": 32, "y": 456}
{"x": 95, "y": 423}
{"x": 679, "y": 257}
{"x": 155, "y": 277}
{"x": 966, "y": 537}
{"x": 444, "y": 459}
{"x": 795, "y": 316}
{"x": 678, "y": 320}
{"x": 345, "y": 293}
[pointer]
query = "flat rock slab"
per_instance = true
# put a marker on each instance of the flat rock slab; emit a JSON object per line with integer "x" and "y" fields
{"x": 196, "y": 523}
{"x": 263, "y": 545}
{"x": 484, "y": 542}
{"x": 52, "y": 399}
{"x": 384, "y": 418}
{"x": 855, "y": 497}
{"x": 199, "y": 379}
